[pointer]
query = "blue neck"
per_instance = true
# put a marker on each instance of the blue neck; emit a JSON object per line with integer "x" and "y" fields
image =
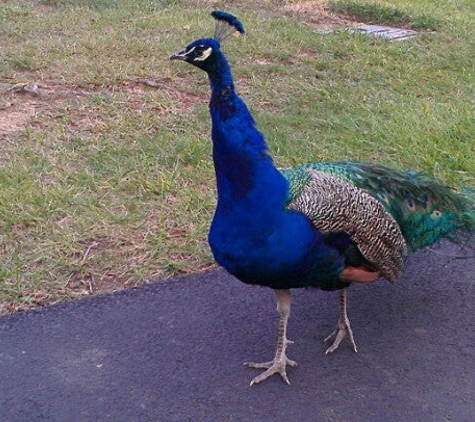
{"x": 242, "y": 163}
{"x": 219, "y": 74}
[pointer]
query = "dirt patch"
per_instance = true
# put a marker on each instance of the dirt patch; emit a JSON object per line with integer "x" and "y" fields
{"x": 187, "y": 100}
{"x": 20, "y": 104}
{"x": 315, "y": 13}
{"x": 14, "y": 117}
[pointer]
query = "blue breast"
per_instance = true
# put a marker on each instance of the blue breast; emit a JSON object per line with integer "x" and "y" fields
{"x": 253, "y": 235}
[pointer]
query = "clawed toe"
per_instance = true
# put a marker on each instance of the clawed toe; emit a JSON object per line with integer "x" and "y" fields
{"x": 280, "y": 362}
{"x": 342, "y": 330}
{"x": 267, "y": 365}
{"x": 273, "y": 367}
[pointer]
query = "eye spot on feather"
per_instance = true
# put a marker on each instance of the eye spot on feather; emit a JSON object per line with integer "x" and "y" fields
{"x": 384, "y": 197}
{"x": 204, "y": 55}
{"x": 411, "y": 206}
{"x": 436, "y": 214}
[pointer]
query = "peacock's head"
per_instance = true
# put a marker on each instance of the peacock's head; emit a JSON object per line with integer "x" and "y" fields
{"x": 203, "y": 52}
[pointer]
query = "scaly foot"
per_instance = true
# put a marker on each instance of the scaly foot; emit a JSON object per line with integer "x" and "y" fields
{"x": 278, "y": 365}
{"x": 343, "y": 327}
{"x": 280, "y": 362}
{"x": 342, "y": 330}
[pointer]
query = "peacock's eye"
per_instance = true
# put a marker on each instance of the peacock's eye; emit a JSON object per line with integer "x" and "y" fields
{"x": 202, "y": 53}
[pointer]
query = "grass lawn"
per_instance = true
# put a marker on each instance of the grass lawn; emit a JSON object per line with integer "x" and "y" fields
{"x": 106, "y": 179}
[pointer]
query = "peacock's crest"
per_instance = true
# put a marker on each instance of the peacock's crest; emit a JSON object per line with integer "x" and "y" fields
{"x": 226, "y": 25}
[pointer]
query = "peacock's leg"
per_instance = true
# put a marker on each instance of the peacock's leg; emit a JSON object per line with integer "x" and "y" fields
{"x": 343, "y": 327}
{"x": 280, "y": 362}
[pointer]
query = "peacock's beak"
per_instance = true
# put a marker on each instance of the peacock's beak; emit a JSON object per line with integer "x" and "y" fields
{"x": 179, "y": 55}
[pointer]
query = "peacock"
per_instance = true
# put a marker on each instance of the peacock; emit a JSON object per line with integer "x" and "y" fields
{"x": 325, "y": 224}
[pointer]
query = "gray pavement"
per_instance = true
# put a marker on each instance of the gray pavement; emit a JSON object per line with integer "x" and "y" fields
{"x": 173, "y": 351}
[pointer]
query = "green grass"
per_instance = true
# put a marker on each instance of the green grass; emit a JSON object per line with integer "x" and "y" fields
{"x": 110, "y": 184}
{"x": 385, "y": 14}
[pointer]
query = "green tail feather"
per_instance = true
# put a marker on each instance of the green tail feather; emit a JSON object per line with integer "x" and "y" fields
{"x": 425, "y": 210}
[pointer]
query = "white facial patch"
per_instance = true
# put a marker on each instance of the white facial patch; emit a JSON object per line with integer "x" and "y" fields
{"x": 206, "y": 53}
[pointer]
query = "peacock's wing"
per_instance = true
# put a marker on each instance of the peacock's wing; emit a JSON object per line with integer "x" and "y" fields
{"x": 335, "y": 206}
{"x": 424, "y": 209}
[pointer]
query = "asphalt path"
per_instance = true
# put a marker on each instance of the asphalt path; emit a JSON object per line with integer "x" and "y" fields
{"x": 173, "y": 351}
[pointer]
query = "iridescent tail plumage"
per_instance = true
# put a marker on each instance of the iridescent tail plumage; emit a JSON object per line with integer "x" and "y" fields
{"x": 425, "y": 209}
